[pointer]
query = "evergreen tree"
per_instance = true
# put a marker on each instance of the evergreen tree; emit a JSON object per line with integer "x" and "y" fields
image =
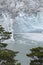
{"x": 36, "y": 55}
{"x": 4, "y": 35}
{"x": 6, "y": 56}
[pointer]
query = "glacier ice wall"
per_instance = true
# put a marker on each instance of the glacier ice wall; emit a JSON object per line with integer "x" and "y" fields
{"x": 25, "y": 24}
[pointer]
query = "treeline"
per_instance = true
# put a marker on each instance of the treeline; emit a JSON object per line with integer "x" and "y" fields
{"x": 7, "y": 57}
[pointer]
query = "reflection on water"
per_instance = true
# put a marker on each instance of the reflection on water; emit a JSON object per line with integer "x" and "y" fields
{"x": 23, "y": 43}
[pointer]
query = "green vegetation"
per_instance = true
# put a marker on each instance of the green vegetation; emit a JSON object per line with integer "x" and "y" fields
{"x": 7, "y": 57}
{"x": 18, "y": 64}
{"x": 4, "y": 35}
{"x": 3, "y": 45}
{"x": 36, "y": 55}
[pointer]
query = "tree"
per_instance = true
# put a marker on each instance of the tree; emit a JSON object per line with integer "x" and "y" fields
{"x": 36, "y": 55}
{"x": 7, "y": 57}
{"x": 4, "y": 35}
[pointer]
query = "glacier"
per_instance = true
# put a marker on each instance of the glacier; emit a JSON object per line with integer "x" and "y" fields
{"x": 24, "y": 23}
{"x": 22, "y": 16}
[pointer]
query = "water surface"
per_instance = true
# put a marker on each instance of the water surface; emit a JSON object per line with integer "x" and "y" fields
{"x": 23, "y": 43}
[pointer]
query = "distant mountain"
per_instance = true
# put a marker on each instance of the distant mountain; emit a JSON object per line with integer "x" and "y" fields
{"x": 22, "y": 15}
{"x": 27, "y": 6}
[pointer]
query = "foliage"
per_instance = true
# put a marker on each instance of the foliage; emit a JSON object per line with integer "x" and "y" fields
{"x": 4, "y": 35}
{"x": 3, "y": 45}
{"x": 7, "y": 57}
{"x": 18, "y": 64}
{"x": 36, "y": 55}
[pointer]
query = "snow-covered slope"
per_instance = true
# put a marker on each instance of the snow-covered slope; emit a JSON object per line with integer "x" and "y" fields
{"x": 24, "y": 23}
{"x": 27, "y": 6}
{"x": 27, "y": 15}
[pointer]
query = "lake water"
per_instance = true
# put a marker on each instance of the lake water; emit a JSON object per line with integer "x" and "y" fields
{"x": 23, "y": 43}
